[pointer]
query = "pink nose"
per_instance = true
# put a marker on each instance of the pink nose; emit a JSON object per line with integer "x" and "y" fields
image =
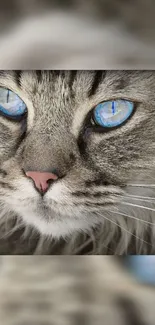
{"x": 41, "y": 179}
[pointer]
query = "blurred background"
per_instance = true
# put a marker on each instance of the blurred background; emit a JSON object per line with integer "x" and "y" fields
{"x": 90, "y": 290}
{"x": 77, "y": 34}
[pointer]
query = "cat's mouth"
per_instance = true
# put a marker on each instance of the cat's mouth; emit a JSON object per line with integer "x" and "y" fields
{"x": 59, "y": 213}
{"x": 65, "y": 203}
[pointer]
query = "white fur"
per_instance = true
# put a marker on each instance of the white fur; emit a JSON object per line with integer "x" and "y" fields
{"x": 58, "y": 220}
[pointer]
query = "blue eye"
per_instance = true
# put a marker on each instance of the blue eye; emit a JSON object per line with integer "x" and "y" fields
{"x": 10, "y": 104}
{"x": 111, "y": 114}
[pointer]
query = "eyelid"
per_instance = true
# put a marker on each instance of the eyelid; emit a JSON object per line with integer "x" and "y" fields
{"x": 15, "y": 119}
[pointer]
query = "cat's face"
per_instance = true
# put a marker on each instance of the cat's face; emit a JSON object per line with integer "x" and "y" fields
{"x": 94, "y": 168}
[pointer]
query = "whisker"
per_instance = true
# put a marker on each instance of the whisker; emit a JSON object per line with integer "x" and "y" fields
{"x": 10, "y": 232}
{"x": 142, "y": 185}
{"x": 132, "y": 217}
{"x": 83, "y": 246}
{"x": 139, "y": 198}
{"x": 137, "y": 206}
{"x": 115, "y": 223}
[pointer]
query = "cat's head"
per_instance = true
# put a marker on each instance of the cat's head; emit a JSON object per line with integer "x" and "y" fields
{"x": 74, "y": 146}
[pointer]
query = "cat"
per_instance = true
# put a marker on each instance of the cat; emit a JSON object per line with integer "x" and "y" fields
{"x": 70, "y": 291}
{"x": 96, "y": 192}
{"x": 73, "y": 34}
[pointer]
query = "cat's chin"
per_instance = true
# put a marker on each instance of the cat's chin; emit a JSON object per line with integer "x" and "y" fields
{"x": 58, "y": 228}
{"x": 57, "y": 223}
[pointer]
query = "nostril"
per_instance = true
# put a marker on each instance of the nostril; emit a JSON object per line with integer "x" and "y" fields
{"x": 50, "y": 181}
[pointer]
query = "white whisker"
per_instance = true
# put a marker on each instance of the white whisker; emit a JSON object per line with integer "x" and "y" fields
{"x": 139, "y": 198}
{"x": 142, "y": 185}
{"x": 128, "y": 216}
{"x": 84, "y": 245}
{"x": 127, "y": 231}
{"x": 137, "y": 206}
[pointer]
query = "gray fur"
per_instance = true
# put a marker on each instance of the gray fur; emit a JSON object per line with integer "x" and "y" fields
{"x": 90, "y": 208}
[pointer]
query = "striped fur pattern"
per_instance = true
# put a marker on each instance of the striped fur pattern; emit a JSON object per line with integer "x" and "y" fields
{"x": 103, "y": 201}
{"x": 72, "y": 291}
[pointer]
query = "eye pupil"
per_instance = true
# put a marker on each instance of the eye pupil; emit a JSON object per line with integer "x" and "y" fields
{"x": 8, "y": 96}
{"x": 11, "y": 105}
{"x": 112, "y": 114}
{"x": 113, "y": 108}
